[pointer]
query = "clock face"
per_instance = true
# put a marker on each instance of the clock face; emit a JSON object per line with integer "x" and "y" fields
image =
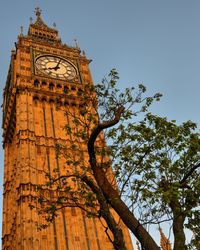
{"x": 56, "y": 67}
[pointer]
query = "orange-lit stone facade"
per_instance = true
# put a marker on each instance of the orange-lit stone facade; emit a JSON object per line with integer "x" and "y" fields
{"x": 32, "y": 126}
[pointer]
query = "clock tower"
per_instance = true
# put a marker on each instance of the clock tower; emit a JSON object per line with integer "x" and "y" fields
{"x": 42, "y": 68}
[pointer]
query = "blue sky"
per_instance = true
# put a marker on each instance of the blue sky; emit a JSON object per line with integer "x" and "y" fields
{"x": 155, "y": 42}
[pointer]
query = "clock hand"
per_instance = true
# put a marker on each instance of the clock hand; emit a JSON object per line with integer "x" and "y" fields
{"x": 57, "y": 66}
{"x": 58, "y": 63}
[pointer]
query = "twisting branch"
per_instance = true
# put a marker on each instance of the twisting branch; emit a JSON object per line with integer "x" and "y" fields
{"x": 100, "y": 128}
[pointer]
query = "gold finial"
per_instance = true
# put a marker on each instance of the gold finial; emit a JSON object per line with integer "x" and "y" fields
{"x": 38, "y": 12}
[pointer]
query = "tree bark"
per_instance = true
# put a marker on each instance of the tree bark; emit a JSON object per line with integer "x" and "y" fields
{"x": 179, "y": 235}
{"x": 123, "y": 211}
{"x": 178, "y": 225}
{"x": 118, "y": 241}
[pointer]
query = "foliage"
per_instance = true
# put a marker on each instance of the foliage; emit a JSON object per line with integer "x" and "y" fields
{"x": 156, "y": 165}
{"x": 152, "y": 159}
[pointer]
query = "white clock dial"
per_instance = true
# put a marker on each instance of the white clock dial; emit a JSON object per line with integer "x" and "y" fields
{"x": 56, "y": 67}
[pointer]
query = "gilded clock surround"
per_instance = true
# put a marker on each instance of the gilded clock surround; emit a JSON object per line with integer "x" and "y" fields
{"x": 55, "y": 66}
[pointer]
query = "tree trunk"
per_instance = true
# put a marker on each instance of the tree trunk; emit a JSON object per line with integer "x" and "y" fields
{"x": 179, "y": 235}
{"x": 178, "y": 225}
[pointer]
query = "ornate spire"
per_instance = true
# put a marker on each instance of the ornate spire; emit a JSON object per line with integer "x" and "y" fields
{"x": 38, "y": 30}
{"x": 39, "y": 21}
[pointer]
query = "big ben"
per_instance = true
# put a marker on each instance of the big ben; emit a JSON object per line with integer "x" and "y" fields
{"x": 41, "y": 69}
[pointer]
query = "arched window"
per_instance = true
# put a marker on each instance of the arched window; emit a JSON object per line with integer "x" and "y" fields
{"x": 36, "y": 83}
{"x": 44, "y": 99}
{"x": 51, "y": 100}
{"x": 51, "y": 86}
{"x": 35, "y": 99}
{"x": 73, "y": 88}
{"x": 59, "y": 86}
{"x": 66, "y": 89}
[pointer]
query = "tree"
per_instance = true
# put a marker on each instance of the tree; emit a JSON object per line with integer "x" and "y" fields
{"x": 155, "y": 163}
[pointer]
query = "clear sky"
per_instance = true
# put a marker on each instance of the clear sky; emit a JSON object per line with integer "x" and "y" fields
{"x": 156, "y": 42}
